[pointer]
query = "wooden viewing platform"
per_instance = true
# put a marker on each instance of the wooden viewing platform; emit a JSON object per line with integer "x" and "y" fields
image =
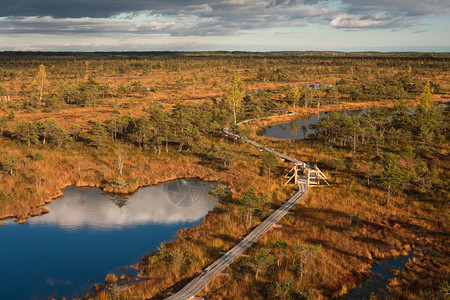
{"x": 302, "y": 174}
{"x": 312, "y": 177}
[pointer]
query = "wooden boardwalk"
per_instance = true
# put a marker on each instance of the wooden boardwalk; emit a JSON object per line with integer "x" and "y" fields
{"x": 194, "y": 286}
{"x": 200, "y": 281}
{"x": 248, "y": 141}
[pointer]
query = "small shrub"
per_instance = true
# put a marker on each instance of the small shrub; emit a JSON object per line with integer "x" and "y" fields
{"x": 37, "y": 156}
{"x": 12, "y": 115}
{"x": 119, "y": 183}
{"x": 308, "y": 293}
{"x": 128, "y": 104}
{"x": 281, "y": 290}
{"x": 221, "y": 191}
{"x": 111, "y": 279}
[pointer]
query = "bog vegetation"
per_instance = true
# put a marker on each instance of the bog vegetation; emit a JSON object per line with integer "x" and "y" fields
{"x": 120, "y": 121}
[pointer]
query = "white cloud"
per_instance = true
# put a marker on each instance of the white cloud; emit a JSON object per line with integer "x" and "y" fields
{"x": 201, "y": 19}
{"x": 360, "y": 22}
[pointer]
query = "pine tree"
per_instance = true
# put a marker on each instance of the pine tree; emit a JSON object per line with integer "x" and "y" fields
{"x": 251, "y": 202}
{"x": 262, "y": 260}
{"x": 425, "y": 99}
{"x": 391, "y": 177}
{"x": 269, "y": 161}
{"x": 98, "y": 135}
{"x": 26, "y": 132}
{"x": 235, "y": 94}
{"x": 10, "y": 163}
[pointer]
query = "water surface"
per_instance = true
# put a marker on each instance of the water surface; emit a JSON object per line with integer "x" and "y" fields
{"x": 88, "y": 234}
{"x": 381, "y": 275}
{"x": 300, "y": 129}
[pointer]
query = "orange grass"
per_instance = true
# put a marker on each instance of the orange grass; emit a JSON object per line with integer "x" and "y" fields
{"x": 350, "y": 221}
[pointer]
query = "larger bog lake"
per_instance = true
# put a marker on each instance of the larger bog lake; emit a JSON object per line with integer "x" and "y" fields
{"x": 88, "y": 234}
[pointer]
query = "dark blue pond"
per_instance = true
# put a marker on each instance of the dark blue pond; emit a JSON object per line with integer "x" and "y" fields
{"x": 88, "y": 234}
{"x": 381, "y": 275}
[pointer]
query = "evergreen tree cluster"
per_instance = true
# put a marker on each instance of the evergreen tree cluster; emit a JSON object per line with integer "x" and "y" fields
{"x": 401, "y": 142}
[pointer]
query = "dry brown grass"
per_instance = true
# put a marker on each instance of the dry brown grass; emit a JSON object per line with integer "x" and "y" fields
{"x": 351, "y": 222}
{"x": 37, "y": 182}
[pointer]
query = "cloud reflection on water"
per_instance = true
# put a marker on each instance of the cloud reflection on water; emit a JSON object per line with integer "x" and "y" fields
{"x": 173, "y": 202}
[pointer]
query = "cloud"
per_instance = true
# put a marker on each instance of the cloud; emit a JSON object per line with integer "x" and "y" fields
{"x": 399, "y": 7}
{"x": 226, "y": 18}
{"x": 360, "y": 22}
{"x": 208, "y": 18}
{"x": 396, "y": 15}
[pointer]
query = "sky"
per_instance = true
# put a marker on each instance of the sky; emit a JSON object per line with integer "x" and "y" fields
{"x": 231, "y": 25}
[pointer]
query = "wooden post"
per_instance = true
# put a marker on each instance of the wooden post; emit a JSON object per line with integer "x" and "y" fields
{"x": 296, "y": 173}
{"x": 307, "y": 177}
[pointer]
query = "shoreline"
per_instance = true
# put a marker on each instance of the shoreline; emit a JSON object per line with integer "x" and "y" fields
{"x": 392, "y": 253}
{"x": 39, "y": 209}
{"x": 302, "y": 113}
{"x": 42, "y": 210}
